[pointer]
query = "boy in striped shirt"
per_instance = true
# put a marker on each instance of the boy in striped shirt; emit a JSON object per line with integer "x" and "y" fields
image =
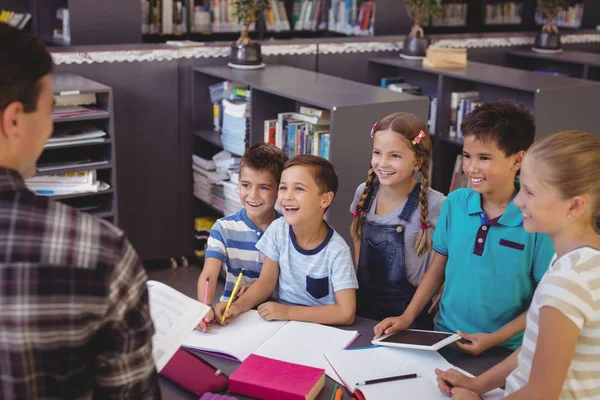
{"x": 232, "y": 242}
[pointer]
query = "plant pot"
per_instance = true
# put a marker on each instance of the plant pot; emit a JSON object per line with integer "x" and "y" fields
{"x": 246, "y": 56}
{"x": 548, "y": 42}
{"x": 415, "y": 47}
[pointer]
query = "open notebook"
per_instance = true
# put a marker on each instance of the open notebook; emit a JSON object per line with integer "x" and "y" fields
{"x": 296, "y": 342}
{"x": 354, "y": 366}
{"x": 174, "y": 315}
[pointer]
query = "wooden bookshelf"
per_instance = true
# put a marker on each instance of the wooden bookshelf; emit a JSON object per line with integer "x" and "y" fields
{"x": 354, "y": 108}
{"x": 102, "y": 203}
{"x": 558, "y": 102}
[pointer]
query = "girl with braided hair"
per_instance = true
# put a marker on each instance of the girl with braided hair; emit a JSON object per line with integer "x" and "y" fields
{"x": 394, "y": 216}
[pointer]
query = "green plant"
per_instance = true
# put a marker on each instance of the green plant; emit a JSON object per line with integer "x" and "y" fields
{"x": 551, "y": 8}
{"x": 421, "y": 11}
{"x": 246, "y": 12}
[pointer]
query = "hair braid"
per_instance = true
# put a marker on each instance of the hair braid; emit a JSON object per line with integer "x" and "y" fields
{"x": 423, "y": 240}
{"x": 358, "y": 221}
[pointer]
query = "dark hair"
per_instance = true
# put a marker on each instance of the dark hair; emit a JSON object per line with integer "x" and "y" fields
{"x": 265, "y": 157}
{"x": 322, "y": 170}
{"x": 24, "y": 60}
{"x": 409, "y": 126}
{"x": 508, "y": 124}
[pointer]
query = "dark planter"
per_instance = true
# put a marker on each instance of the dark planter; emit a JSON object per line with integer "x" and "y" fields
{"x": 245, "y": 55}
{"x": 415, "y": 47}
{"x": 547, "y": 41}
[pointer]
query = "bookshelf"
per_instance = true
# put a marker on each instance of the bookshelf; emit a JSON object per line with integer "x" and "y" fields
{"x": 103, "y": 203}
{"x": 354, "y": 108}
{"x": 576, "y": 64}
{"x": 558, "y": 102}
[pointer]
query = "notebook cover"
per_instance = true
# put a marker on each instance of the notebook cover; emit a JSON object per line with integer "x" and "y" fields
{"x": 193, "y": 374}
{"x": 269, "y": 379}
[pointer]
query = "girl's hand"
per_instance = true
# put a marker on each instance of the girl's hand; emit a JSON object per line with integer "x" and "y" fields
{"x": 391, "y": 325}
{"x": 480, "y": 342}
{"x": 464, "y": 394}
{"x": 447, "y": 380}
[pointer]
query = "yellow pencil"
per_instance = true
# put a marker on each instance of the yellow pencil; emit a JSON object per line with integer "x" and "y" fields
{"x": 235, "y": 288}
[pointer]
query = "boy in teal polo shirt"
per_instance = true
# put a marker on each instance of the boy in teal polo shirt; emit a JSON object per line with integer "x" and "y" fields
{"x": 489, "y": 264}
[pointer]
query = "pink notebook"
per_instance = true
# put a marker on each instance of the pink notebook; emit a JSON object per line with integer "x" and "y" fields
{"x": 269, "y": 379}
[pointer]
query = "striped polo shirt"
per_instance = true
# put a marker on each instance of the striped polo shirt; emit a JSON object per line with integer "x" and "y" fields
{"x": 308, "y": 277}
{"x": 572, "y": 286}
{"x": 233, "y": 241}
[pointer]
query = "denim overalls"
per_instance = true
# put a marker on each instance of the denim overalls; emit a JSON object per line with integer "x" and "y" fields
{"x": 383, "y": 289}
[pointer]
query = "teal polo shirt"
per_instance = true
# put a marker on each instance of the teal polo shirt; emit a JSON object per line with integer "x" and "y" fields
{"x": 493, "y": 266}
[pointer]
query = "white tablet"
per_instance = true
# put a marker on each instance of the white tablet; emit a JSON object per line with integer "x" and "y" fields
{"x": 417, "y": 339}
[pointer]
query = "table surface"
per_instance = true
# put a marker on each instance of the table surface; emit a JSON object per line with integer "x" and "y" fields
{"x": 185, "y": 280}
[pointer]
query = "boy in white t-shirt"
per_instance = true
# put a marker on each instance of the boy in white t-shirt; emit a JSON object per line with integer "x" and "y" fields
{"x": 304, "y": 256}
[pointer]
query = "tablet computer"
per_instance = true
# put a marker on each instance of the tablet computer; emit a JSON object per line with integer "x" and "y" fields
{"x": 417, "y": 339}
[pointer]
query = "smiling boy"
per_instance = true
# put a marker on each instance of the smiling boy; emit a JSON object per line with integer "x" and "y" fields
{"x": 304, "y": 256}
{"x": 232, "y": 240}
{"x": 490, "y": 265}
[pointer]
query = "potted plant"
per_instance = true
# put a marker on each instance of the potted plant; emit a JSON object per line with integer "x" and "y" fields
{"x": 548, "y": 40}
{"x": 245, "y": 53}
{"x": 420, "y": 11}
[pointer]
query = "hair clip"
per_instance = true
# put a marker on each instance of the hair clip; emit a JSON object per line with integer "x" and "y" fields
{"x": 373, "y": 129}
{"x": 418, "y": 138}
{"x": 355, "y": 214}
{"x": 427, "y": 225}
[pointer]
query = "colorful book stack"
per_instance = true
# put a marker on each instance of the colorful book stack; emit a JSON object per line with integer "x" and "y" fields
{"x": 66, "y": 183}
{"x": 302, "y": 132}
{"x": 18, "y": 20}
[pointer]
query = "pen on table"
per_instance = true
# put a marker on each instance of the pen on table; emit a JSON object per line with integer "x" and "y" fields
{"x": 388, "y": 379}
{"x": 335, "y": 388}
{"x": 235, "y": 288}
{"x": 206, "y": 295}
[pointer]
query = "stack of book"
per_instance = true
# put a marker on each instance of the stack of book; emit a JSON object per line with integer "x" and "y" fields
{"x": 83, "y": 133}
{"x": 303, "y": 132}
{"x": 236, "y": 125}
{"x": 66, "y": 183}
{"x": 215, "y": 181}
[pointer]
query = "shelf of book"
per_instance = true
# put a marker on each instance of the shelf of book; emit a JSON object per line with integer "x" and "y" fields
{"x": 78, "y": 162}
{"x": 277, "y": 90}
{"x": 558, "y": 102}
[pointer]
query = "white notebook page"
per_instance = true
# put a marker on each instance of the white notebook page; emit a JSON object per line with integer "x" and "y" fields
{"x": 306, "y": 344}
{"x": 239, "y": 338}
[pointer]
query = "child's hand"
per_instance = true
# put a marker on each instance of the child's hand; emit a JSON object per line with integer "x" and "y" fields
{"x": 480, "y": 342}
{"x": 220, "y": 309}
{"x": 241, "y": 291}
{"x": 203, "y": 325}
{"x": 391, "y": 325}
{"x": 272, "y": 311}
{"x": 452, "y": 379}
{"x": 464, "y": 394}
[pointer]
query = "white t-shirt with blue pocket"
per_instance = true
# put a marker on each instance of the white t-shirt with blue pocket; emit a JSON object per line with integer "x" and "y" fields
{"x": 308, "y": 277}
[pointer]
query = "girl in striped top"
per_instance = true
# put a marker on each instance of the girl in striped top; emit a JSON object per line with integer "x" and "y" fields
{"x": 560, "y": 354}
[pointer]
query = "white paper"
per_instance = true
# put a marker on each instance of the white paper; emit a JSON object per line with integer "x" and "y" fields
{"x": 238, "y": 339}
{"x": 380, "y": 362}
{"x": 174, "y": 316}
{"x": 306, "y": 344}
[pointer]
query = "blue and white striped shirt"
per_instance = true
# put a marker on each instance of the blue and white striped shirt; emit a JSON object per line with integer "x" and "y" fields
{"x": 233, "y": 240}
{"x": 308, "y": 277}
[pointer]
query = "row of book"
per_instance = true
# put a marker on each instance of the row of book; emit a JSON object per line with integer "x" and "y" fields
{"x": 453, "y": 14}
{"x": 570, "y": 18}
{"x": 302, "y": 132}
{"x": 164, "y": 16}
{"x": 509, "y": 12}
{"x": 18, "y": 20}
{"x": 461, "y": 103}
{"x": 352, "y": 17}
